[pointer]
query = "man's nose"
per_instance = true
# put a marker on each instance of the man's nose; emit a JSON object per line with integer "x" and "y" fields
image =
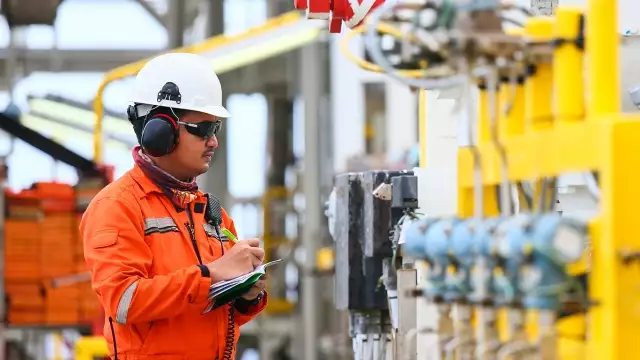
{"x": 212, "y": 142}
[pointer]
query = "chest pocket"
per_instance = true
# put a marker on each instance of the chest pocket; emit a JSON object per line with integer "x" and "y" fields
{"x": 218, "y": 244}
{"x": 163, "y": 236}
{"x": 211, "y": 232}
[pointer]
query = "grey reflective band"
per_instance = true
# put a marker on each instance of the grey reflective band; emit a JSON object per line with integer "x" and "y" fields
{"x": 159, "y": 225}
{"x": 211, "y": 232}
{"x": 125, "y": 303}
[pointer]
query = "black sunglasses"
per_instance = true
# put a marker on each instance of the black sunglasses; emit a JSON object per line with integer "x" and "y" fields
{"x": 203, "y": 130}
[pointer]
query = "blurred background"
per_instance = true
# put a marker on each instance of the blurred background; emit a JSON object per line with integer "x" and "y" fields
{"x": 302, "y": 112}
{"x": 284, "y": 80}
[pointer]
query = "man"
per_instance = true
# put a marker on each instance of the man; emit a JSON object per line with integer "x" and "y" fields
{"x": 153, "y": 242}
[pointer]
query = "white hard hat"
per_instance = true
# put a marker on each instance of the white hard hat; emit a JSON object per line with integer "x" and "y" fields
{"x": 192, "y": 75}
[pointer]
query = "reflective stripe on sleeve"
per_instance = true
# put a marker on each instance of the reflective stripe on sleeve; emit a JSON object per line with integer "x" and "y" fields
{"x": 125, "y": 303}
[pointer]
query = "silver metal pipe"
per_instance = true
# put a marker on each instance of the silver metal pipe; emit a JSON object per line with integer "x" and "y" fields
{"x": 312, "y": 88}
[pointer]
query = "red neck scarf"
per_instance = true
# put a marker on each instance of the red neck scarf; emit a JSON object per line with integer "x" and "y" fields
{"x": 180, "y": 193}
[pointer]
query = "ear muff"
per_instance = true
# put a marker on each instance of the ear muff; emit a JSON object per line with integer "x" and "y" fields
{"x": 159, "y": 135}
{"x": 157, "y": 132}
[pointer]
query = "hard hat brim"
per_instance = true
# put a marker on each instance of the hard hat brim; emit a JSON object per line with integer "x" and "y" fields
{"x": 216, "y": 110}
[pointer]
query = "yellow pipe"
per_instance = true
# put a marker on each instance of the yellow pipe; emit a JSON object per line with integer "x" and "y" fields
{"x": 515, "y": 117}
{"x": 511, "y": 120}
{"x": 484, "y": 128}
{"x": 465, "y": 192}
{"x": 502, "y": 98}
{"x": 539, "y": 86}
{"x": 207, "y": 45}
{"x": 422, "y": 126}
{"x": 276, "y": 304}
{"x": 57, "y": 345}
{"x": 366, "y": 65}
{"x": 511, "y": 116}
{"x": 91, "y": 347}
{"x": 568, "y": 67}
{"x": 603, "y": 46}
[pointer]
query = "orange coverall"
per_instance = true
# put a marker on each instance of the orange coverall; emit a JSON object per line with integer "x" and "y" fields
{"x": 144, "y": 256}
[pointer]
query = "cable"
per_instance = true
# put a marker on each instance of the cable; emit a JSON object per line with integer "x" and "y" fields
{"x": 512, "y": 21}
{"x": 478, "y": 189}
{"x": 527, "y": 196}
{"x": 493, "y": 84}
{"x": 230, "y": 338}
{"x": 366, "y": 65}
{"x": 592, "y": 185}
{"x": 113, "y": 335}
{"x": 371, "y": 43}
{"x": 547, "y": 200}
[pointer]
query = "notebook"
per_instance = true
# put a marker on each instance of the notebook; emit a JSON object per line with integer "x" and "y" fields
{"x": 223, "y": 292}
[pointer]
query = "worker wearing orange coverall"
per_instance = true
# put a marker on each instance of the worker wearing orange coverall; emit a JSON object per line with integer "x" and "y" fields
{"x": 152, "y": 243}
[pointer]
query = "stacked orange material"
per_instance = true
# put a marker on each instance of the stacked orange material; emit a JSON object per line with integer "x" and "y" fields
{"x": 22, "y": 267}
{"x": 59, "y": 235}
{"x": 40, "y": 238}
{"x": 42, "y": 244}
{"x": 90, "y": 308}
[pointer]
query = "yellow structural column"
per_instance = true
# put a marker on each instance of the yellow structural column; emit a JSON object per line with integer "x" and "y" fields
{"x": 483, "y": 138}
{"x": 615, "y": 319}
{"x": 539, "y": 88}
{"x": 568, "y": 65}
{"x": 539, "y": 85}
{"x": 512, "y": 101}
{"x": 483, "y": 126}
{"x": 603, "y": 43}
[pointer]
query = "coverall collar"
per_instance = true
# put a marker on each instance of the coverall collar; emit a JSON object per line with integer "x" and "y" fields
{"x": 149, "y": 186}
{"x": 143, "y": 180}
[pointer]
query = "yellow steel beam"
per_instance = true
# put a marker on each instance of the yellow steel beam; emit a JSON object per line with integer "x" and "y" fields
{"x": 566, "y": 148}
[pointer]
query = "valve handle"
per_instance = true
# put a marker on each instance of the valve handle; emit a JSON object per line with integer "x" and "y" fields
{"x": 350, "y": 12}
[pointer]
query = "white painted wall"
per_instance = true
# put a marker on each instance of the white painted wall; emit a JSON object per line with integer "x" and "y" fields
{"x": 348, "y": 111}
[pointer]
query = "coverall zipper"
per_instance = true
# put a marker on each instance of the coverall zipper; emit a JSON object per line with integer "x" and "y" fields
{"x": 192, "y": 233}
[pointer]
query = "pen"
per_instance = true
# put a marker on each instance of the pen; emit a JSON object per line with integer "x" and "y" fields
{"x": 230, "y": 235}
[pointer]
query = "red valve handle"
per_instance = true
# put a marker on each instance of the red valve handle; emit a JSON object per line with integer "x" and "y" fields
{"x": 338, "y": 11}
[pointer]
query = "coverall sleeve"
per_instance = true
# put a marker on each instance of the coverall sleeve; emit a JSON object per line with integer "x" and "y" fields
{"x": 120, "y": 259}
{"x": 244, "y": 314}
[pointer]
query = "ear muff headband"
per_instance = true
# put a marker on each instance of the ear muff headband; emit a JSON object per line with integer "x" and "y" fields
{"x": 159, "y": 134}
{"x": 169, "y": 118}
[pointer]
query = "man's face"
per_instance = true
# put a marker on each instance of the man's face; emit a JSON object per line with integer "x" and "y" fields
{"x": 193, "y": 153}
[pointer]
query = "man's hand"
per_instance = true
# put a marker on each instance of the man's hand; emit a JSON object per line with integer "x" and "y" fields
{"x": 257, "y": 288}
{"x": 241, "y": 259}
